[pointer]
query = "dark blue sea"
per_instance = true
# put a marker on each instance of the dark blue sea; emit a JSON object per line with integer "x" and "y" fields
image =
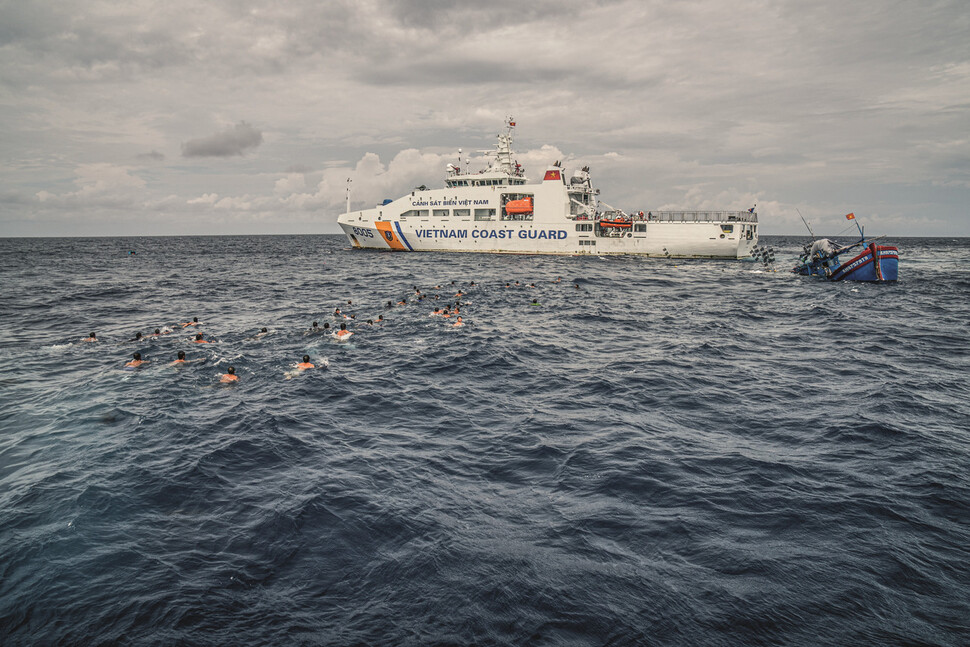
{"x": 658, "y": 453}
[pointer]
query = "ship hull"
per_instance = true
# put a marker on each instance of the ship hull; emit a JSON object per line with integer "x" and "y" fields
{"x": 660, "y": 239}
{"x": 875, "y": 264}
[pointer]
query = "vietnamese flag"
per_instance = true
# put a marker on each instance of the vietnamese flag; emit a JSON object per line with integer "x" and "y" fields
{"x": 850, "y": 216}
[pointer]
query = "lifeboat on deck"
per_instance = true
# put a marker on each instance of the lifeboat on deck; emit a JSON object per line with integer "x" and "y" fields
{"x": 618, "y": 224}
{"x": 519, "y": 206}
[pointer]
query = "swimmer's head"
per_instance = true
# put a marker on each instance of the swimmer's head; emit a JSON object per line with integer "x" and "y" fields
{"x": 349, "y": 302}
{"x": 231, "y": 370}
{"x": 136, "y": 357}
{"x": 326, "y": 326}
{"x": 370, "y": 321}
{"x": 158, "y": 332}
{"x": 306, "y": 359}
{"x": 181, "y": 354}
{"x": 195, "y": 320}
{"x": 263, "y": 330}
{"x": 314, "y": 324}
{"x": 380, "y": 317}
{"x": 198, "y": 337}
{"x": 92, "y": 336}
{"x": 343, "y": 326}
{"x": 137, "y": 335}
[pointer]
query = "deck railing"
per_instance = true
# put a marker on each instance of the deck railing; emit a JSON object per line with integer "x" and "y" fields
{"x": 683, "y": 216}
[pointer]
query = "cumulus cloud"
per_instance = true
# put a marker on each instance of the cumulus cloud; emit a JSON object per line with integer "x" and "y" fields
{"x": 229, "y": 142}
{"x": 99, "y": 184}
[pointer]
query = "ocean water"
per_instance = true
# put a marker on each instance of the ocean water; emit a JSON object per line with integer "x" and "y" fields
{"x": 659, "y": 453}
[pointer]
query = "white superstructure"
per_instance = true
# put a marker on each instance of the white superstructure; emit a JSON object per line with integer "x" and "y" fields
{"x": 499, "y": 210}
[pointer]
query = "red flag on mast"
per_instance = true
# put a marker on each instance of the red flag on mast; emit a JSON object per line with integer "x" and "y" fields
{"x": 850, "y": 216}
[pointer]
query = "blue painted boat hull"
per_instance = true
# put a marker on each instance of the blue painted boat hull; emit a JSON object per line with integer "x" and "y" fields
{"x": 876, "y": 263}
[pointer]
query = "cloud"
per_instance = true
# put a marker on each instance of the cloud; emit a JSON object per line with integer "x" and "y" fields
{"x": 101, "y": 184}
{"x": 152, "y": 156}
{"x": 229, "y": 142}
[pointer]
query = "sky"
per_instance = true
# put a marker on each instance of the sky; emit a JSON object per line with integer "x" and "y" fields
{"x": 235, "y": 117}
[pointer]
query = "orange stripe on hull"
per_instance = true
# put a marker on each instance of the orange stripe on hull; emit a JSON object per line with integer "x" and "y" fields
{"x": 387, "y": 233}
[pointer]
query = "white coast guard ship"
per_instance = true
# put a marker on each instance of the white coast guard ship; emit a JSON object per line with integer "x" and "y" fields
{"x": 499, "y": 210}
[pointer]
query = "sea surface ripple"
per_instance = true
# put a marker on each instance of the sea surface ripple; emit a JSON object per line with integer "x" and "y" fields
{"x": 659, "y": 453}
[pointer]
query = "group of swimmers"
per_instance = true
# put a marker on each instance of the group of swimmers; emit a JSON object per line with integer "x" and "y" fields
{"x": 340, "y": 333}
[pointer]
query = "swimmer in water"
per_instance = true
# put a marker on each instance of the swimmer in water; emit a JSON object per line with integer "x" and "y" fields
{"x": 198, "y": 339}
{"x": 229, "y": 375}
{"x": 517, "y": 284}
{"x": 436, "y": 313}
{"x": 389, "y": 305}
{"x": 336, "y": 312}
{"x": 326, "y": 327}
{"x": 558, "y": 279}
{"x": 535, "y": 302}
{"x": 532, "y": 285}
{"x": 472, "y": 284}
{"x": 343, "y": 333}
{"x": 305, "y": 364}
{"x": 508, "y": 285}
{"x": 370, "y": 322}
{"x": 91, "y": 337}
{"x": 403, "y": 302}
{"x": 136, "y": 361}
{"x": 459, "y": 293}
{"x": 194, "y": 322}
{"x": 576, "y": 286}
{"x": 458, "y": 322}
{"x": 180, "y": 360}
{"x": 137, "y": 337}
{"x": 380, "y": 318}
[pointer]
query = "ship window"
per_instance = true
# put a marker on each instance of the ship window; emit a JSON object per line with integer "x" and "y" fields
{"x": 584, "y": 226}
{"x": 587, "y": 242}
{"x": 484, "y": 214}
{"x": 440, "y": 213}
{"x": 463, "y": 213}
{"x": 422, "y": 213}
{"x": 640, "y": 227}
{"x": 727, "y": 229}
